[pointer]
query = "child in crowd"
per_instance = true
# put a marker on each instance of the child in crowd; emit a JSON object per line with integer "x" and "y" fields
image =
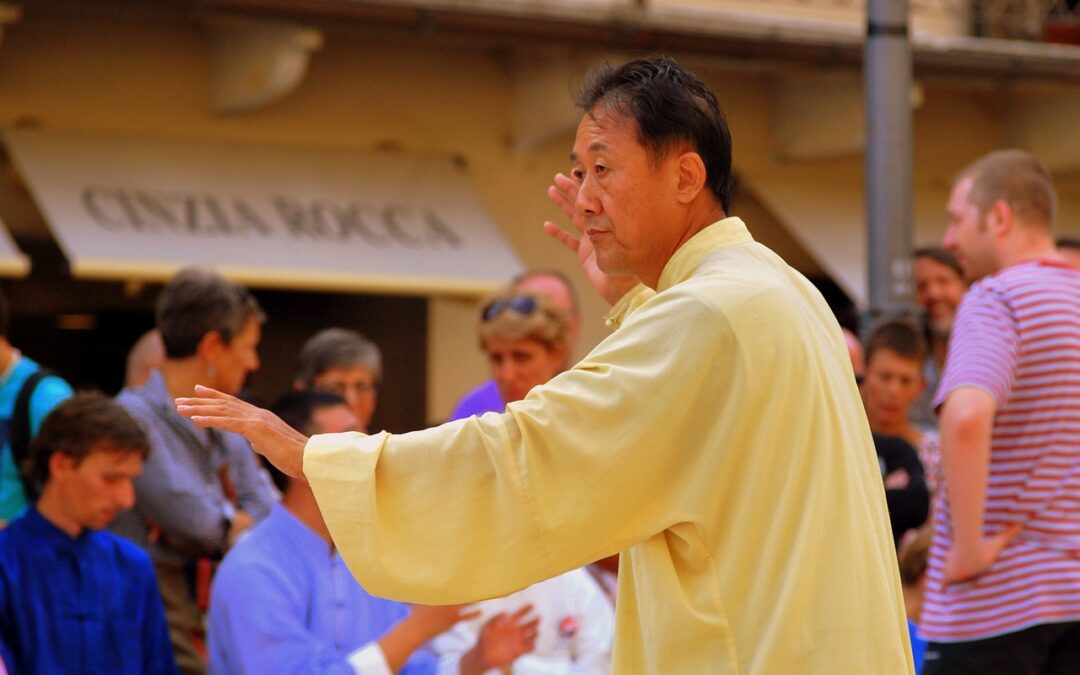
{"x": 895, "y": 352}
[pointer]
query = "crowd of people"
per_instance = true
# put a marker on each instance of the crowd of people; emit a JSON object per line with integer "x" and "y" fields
{"x": 143, "y": 544}
{"x": 973, "y": 406}
{"x": 139, "y": 540}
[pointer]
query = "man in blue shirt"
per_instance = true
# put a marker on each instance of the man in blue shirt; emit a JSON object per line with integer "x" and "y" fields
{"x": 73, "y": 597}
{"x": 15, "y": 369}
{"x": 284, "y": 602}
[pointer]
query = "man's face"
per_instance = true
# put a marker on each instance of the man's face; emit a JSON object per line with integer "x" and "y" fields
{"x": 968, "y": 236}
{"x": 623, "y": 200}
{"x": 95, "y": 490}
{"x": 239, "y": 359}
{"x": 890, "y": 387}
{"x": 938, "y": 290}
{"x": 336, "y": 419}
{"x": 519, "y": 365}
{"x": 355, "y": 384}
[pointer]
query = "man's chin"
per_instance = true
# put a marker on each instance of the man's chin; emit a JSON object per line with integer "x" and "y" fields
{"x": 610, "y": 264}
{"x": 940, "y": 330}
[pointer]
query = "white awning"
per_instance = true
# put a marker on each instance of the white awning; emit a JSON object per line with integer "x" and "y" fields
{"x": 828, "y": 218}
{"x": 12, "y": 261}
{"x": 317, "y": 219}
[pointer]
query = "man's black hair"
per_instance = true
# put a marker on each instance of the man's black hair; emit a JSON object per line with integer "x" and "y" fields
{"x": 940, "y": 255}
{"x": 670, "y": 105}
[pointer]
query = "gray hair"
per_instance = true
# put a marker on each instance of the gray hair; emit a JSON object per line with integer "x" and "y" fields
{"x": 197, "y": 301}
{"x": 337, "y": 348}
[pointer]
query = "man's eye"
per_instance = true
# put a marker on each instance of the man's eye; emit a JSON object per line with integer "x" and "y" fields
{"x": 578, "y": 175}
{"x": 600, "y": 168}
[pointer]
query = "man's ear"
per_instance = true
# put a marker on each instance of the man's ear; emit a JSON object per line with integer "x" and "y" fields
{"x": 61, "y": 464}
{"x": 1000, "y": 218}
{"x": 691, "y": 176}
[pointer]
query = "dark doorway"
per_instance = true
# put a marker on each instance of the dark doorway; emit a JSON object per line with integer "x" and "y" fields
{"x": 84, "y": 329}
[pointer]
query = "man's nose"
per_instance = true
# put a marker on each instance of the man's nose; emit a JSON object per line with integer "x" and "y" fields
{"x": 507, "y": 372}
{"x": 351, "y": 396}
{"x": 586, "y": 202}
{"x": 125, "y": 497}
{"x": 949, "y": 240}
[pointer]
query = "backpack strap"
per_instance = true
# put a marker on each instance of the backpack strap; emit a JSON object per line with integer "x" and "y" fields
{"x": 19, "y": 432}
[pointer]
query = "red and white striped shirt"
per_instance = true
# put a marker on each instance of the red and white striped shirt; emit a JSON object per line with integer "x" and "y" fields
{"x": 1017, "y": 336}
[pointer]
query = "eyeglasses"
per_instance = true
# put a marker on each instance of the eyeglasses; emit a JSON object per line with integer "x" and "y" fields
{"x": 522, "y": 304}
{"x": 342, "y": 388}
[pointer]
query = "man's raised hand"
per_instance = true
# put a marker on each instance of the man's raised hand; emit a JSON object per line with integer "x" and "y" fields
{"x": 563, "y": 193}
{"x": 267, "y": 433}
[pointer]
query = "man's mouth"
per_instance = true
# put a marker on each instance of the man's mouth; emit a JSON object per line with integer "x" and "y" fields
{"x": 940, "y": 311}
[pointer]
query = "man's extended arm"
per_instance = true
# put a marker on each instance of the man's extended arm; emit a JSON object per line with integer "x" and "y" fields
{"x": 967, "y": 418}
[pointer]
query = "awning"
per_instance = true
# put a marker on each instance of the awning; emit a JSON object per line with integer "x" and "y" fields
{"x": 318, "y": 219}
{"x": 826, "y": 213}
{"x": 828, "y": 218}
{"x": 12, "y": 261}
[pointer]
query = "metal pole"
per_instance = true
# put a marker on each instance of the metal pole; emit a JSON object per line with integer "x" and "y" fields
{"x": 887, "y": 73}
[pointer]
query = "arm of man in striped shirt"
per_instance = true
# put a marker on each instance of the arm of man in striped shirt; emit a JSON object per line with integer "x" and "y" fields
{"x": 967, "y": 419}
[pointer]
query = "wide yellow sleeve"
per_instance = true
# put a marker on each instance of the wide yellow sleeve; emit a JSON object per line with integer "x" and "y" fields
{"x": 586, "y": 466}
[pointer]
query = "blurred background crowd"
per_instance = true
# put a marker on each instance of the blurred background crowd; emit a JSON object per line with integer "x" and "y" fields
{"x": 366, "y": 181}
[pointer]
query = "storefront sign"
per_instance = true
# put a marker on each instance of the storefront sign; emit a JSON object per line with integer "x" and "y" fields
{"x": 340, "y": 220}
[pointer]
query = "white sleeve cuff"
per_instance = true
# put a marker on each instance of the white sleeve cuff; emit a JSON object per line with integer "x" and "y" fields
{"x": 370, "y": 660}
{"x": 449, "y": 664}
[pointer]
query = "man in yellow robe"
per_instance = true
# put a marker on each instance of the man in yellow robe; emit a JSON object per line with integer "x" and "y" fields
{"x": 716, "y": 438}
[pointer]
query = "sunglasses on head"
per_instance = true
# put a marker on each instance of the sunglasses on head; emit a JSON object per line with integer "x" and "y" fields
{"x": 522, "y": 304}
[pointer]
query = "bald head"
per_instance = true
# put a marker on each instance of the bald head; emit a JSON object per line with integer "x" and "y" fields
{"x": 146, "y": 355}
{"x": 1016, "y": 178}
{"x": 556, "y": 287}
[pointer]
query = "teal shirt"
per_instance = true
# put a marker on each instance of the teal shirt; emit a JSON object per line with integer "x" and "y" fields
{"x": 50, "y": 392}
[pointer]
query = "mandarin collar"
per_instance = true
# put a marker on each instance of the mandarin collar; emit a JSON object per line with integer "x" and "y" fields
{"x": 303, "y": 536}
{"x": 46, "y": 532}
{"x": 721, "y": 234}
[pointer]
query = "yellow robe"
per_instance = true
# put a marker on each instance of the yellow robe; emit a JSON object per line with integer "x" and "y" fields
{"x": 716, "y": 437}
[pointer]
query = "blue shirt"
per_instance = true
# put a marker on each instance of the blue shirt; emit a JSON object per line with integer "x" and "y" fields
{"x": 485, "y": 398}
{"x": 918, "y": 646}
{"x": 180, "y": 489}
{"x": 284, "y": 602}
{"x": 83, "y": 605}
{"x": 49, "y": 393}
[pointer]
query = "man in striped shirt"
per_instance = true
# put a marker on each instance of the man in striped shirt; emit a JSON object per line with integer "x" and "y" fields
{"x": 1003, "y": 585}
